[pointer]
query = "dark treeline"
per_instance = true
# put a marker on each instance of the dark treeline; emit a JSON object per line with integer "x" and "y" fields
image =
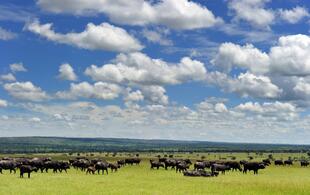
{"x": 59, "y": 144}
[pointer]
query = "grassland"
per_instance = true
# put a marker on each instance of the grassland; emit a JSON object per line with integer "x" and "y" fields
{"x": 141, "y": 180}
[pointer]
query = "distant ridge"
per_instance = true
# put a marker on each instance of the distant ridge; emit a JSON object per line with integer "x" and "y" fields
{"x": 68, "y": 144}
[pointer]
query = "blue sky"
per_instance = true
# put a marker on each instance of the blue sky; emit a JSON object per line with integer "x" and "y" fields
{"x": 235, "y": 71}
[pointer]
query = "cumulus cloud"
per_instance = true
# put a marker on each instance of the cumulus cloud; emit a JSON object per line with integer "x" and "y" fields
{"x": 255, "y": 13}
{"x": 264, "y": 122}
{"x": 302, "y": 89}
{"x": 66, "y": 72}
{"x": 246, "y": 84}
{"x": 252, "y": 11}
{"x": 138, "y": 68}
{"x": 8, "y": 77}
{"x": 155, "y": 94}
{"x": 291, "y": 55}
{"x": 282, "y": 110}
{"x": 35, "y": 119}
{"x": 294, "y": 15}
{"x": 18, "y": 67}
{"x": 6, "y": 35}
{"x": 247, "y": 57}
{"x": 288, "y": 57}
{"x": 98, "y": 90}
{"x": 3, "y": 103}
{"x": 25, "y": 91}
{"x": 177, "y": 14}
{"x": 95, "y": 37}
{"x": 133, "y": 96}
{"x": 157, "y": 36}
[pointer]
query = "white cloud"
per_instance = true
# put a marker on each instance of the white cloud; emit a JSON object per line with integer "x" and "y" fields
{"x": 25, "y": 91}
{"x": 18, "y": 67}
{"x": 133, "y": 96}
{"x": 294, "y": 15}
{"x": 8, "y": 77}
{"x": 11, "y": 12}
{"x": 275, "y": 107}
{"x": 156, "y": 37}
{"x": 4, "y": 117}
{"x": 252, "y": 11}
{"x": 95, "y": 37}
{"x": 177, "y": 14}
{"x": 246, "y": 57}
{"x": 138, "y": 68}
{"x": 288, "y": 57}
{"x": 220, "y": 107}
{"x": 3, "y": 103}
{"x": 6, "y": 35}
{"x": 291, "y": 55}
{"x": 99, "y": 90}
{"x": 155, "y": 94}
{"x": 66, "y": 72}
{"x": 302, "y": 89}
{"x": 282, "y": 110}
{"x": 35, "y": 119}
{"x": 246, "y": 84}
{"x": 273, "y": 122}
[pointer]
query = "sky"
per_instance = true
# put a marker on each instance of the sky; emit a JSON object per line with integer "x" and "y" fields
{"x": 208, "y": 70}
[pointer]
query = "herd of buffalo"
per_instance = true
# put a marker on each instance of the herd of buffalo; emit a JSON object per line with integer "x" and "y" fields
{"x": 28, "y": 165}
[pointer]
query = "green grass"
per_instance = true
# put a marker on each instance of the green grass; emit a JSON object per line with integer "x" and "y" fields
{"x": 141, "y": 180}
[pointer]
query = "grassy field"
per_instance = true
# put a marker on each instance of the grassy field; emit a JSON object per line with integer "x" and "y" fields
{"x": 141, "y": 180}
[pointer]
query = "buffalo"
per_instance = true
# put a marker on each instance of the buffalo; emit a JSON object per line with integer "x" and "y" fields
{"x": 304, "y": 163}
{"x": 170, "y": 163}
{"x": 102, "y": 166}
{"x": 233, "y": 165}
{"x": 8, "y": 165}
{"x": 278, "y": 162}
{"x": 114, "y": 167}
{"x": 253, "y": 166}
{"x": 27, "y": 169}
{"x": 219, "y": 167}
{"x": 182, "y": 166}
{"x": 121, "y": 162}
{"x": 90, "y": 170}
{"x": 266, "y": 161}
{"x": 288, "y": 162}
{"x": 132, "y": 161}
{"x": 199, "y": 173}
{"x": 156, "y": 164}
{"x": 201, "y": 165}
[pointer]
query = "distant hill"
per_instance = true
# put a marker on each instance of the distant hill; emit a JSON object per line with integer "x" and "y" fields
{"x": 61, "y": 144}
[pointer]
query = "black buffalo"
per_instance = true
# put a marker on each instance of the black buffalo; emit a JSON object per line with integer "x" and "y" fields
{"x": 27, "y": 169}
{"x": 278, "y": 162}
{"x": 201, "y": 165}
{"x": 220, "y": 168}
{"x": 181, "y": 166}
{"x": 132, "y": 161}
{"x": 8, "y": 165}
{"x": 121, "y": 162}
{"x": 234, "y": 165}
{"x": 266, "y": 161}
{"x": 199, "y": 173}
{"x": 91, "y": 170}
{"x": 170, "y": 163}
{"x": 253, "y": 166}
{"x": 156, "y": 164}
{"x": 288, "y": 162}
{"x": 304, "y": 163}
{"x": 102, "y": 166}
{"x": 114, "y": 167}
